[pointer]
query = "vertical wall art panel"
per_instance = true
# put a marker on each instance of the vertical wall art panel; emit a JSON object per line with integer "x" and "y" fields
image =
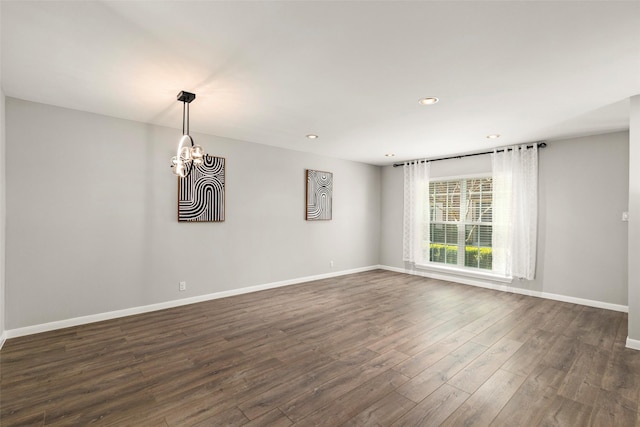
{"x": 201, "y": 194}
{"x": 319, "y": 195}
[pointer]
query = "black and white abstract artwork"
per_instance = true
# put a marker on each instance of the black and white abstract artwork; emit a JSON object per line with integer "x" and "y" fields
{"x": 201, "y": 193}
{"x": 319, "y": 195}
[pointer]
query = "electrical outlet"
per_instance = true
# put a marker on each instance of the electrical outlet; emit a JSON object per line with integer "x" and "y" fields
{"x": 182, "y": 286}
{"x": 625, "y": 216}
{"x": 331, "y": 264}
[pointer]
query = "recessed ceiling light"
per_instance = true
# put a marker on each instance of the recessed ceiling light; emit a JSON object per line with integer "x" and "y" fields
{"x": 390, "y": 155}
{"x": 493, "y": 136}
{"x": 428, "y": 101}
{"x": 312, "y": 136}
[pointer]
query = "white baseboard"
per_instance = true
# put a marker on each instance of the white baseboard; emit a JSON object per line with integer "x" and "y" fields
{"x": 512, "y": 289}
{"x": 3, "y": 338}
{"x": 76, "y": 321}
{"x": 633, "y": 344}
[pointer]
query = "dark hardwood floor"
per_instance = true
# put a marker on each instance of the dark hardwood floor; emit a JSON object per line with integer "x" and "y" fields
{"x": 375, "y": 348}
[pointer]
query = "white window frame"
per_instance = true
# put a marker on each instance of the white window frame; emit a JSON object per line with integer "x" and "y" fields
{"x": 459, "y": 268}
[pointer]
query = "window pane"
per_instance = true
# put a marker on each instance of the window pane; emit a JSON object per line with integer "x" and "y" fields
{"x": 470, "y": 211}
{"x": 471, "y": 235}
{"x": 443, "y": 247}
{"x": 437, "y": 233}
{"x": 485, "y": 258}
{"x": 471, "y": 257}
{"x": 438, "y": 208}
{"x": 478, "y": 204}
{"x": 452, "y": 244}
{"x": 478, "y": 251}
{"x": 484, "y": 235}
{"x": 474, "y": 207}
{"x": 444, "y": 200}
{"x": 452, "y": 234}
{"x": 487, "y": 215}
{"x": 453, "y": 201}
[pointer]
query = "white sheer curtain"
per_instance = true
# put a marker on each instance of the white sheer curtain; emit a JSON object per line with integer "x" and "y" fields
{"x": 515, "y": 211}
{"x": 416, "y": 211}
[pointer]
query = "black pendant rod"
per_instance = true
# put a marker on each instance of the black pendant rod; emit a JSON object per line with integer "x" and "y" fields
{"x": 187, "y": 105}
{"x": 395, "y": 165}
{"x": 184, "y": 108}
{"x": 186, "y": 98}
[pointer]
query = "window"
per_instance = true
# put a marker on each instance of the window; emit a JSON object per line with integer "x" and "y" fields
{"x": 460, "y": 225}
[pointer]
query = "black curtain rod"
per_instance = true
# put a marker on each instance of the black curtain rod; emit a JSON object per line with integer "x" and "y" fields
{"x": 395, "y": 165}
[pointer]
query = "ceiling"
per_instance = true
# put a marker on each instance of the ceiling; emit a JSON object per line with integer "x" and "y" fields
{"x": 351, "y": 72}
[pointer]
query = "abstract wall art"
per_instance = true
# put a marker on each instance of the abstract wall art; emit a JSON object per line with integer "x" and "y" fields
{"x": 319, "y": 195}
{"x": 201, "y": 193}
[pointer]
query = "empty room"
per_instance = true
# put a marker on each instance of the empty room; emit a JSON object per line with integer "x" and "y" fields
{"x": 358, "y": 213}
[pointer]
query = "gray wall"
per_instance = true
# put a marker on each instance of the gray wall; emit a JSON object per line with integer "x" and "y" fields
{"x": 582, "y": 242}
{"x": 91, "y": 217}
{"x": 634, "y": 219}
{"x": 2, "y": 200}
{"x": 2, "y": 213}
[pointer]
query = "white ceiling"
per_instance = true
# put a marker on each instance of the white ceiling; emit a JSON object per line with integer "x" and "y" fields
{"x": 350, "y": 71}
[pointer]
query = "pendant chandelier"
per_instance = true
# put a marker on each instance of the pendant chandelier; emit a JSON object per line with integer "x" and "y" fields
{"x": 188, "y": 153}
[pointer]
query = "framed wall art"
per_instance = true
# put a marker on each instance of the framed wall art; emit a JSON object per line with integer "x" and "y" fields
{"x": 201, "y": 193}
{"x": 319, "y": 195}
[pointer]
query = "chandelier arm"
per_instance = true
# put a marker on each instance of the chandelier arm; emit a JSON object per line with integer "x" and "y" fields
{"x": 182, "y": 143}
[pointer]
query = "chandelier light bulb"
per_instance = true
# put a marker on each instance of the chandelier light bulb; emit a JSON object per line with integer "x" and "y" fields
{"x": 197, "y": 152}
{"x": 180, "y": 170}
{"x": 185, "y": 154}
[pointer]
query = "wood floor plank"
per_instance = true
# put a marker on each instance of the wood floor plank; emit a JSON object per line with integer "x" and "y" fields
{"x": 595, "y": 327}
{"x": 229, "y": 417}
{"x": 351, "y": 403}
{"x": 489, "y": 319}
{"x": 525, "y": 327}
{"x": 483, "y": 367}
{"x": 559, "y": 318}
{"x": 499, "y": 329}
{"x": 372, "y": 348}
{"x": 483, "y": 406}
{"x": 273, "y": 418}
{"x": 318, "y": 397}
{"x": 282, "y": 393}
{"x": 434, "y": 409}
{"x": 430, "y": 337}
{"x": 383, "y": 412}
{"x": 611, "y": 410}
{"x": 530, "y": 353}
{"x": 440, "y": 372}
{"x": 622, "y": 377}
{"x": 563, "y": 353}
{"x": 584, "y": 380}
{"x": 529, "y": 403}
{"x": 23, "y": 418}
{"x": 421, "y": 361}
{"x": 566, "y": 412}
